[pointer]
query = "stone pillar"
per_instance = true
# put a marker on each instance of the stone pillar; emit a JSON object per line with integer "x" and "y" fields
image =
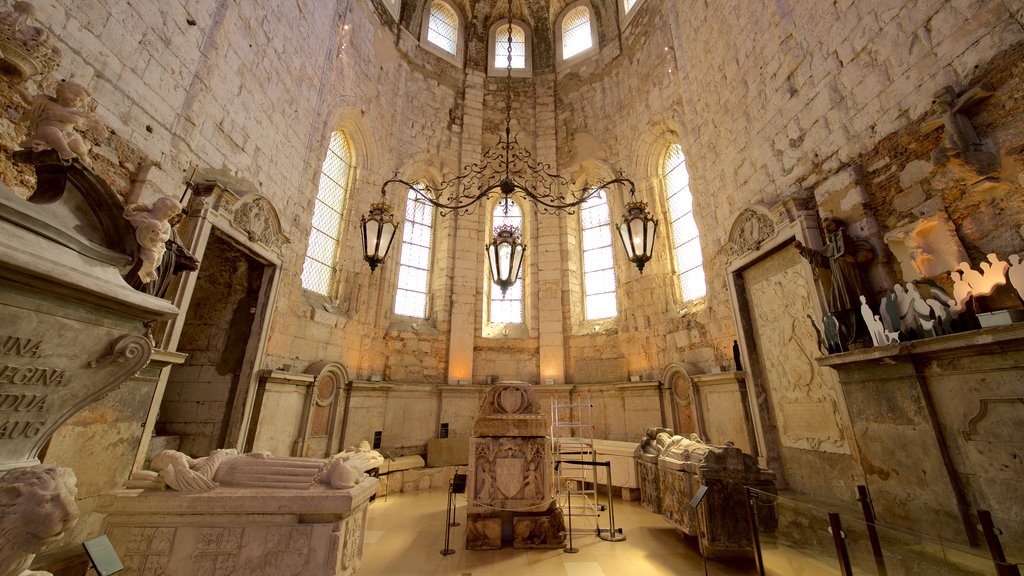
{"x": 466, "y": 272}
{"x": 549, "y": 256}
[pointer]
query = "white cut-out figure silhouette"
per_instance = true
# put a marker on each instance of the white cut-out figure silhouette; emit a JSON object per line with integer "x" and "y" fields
{"x": 1016, "y": 275}
{"x": 961, "y": 293}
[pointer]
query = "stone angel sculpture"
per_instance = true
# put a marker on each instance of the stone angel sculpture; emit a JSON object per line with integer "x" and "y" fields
{"x": 53, "y": 121}
{"x": 152, "y": 230}
{"x": 974, "y": 158}
{"x": 18, "y": 19}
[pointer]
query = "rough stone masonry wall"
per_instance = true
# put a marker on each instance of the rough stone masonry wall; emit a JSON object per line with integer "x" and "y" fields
{"x": 393, "y": 102}
{"x": 783, "y": 101}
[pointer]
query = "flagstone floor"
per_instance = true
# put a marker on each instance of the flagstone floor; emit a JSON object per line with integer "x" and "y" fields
{"x": 405, "y": 535}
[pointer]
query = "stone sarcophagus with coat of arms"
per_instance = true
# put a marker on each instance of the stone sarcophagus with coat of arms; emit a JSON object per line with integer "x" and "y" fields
{"x": 511, "y": 490}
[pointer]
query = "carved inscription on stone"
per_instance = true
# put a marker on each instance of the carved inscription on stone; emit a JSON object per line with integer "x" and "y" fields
{"x": 804, "y": 401}
{"x": 23, "y": 414}
{"x": 50, "y": 368}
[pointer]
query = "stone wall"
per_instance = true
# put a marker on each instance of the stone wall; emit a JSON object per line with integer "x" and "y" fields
{"x": 769, "y": 101}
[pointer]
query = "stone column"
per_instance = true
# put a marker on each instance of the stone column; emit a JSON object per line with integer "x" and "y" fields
{"x": 468, "y": 252}
{"x": 549, "y": 257}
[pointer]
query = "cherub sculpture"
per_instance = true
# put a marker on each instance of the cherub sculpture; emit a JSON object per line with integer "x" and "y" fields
{"x": 17, "y": 21}
{"x": 152, "y": 230}
{"x": 53, "y": 120}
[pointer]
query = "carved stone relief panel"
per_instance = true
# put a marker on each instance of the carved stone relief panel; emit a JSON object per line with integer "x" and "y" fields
{"x": 804, "y": 401}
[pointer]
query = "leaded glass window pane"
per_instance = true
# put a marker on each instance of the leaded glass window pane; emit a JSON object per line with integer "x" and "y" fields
{"x": 322, "y": 250}
{"x": 598, "y": 266}
{"x": 443, "y": 27}
{"x": 414, "y": 267}
{"x": 576, "y": 35}
{"x": 518, "y": 47}
{"x": 685, "y": 236}
{"x": 508, "y": 308}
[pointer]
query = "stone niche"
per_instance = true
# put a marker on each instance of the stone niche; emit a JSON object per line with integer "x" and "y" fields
{"x": 510, "y": 489}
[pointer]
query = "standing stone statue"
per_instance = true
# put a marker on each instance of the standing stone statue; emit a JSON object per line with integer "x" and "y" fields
{"x": 974, "y": 159}
{"x": 846, "y": 260}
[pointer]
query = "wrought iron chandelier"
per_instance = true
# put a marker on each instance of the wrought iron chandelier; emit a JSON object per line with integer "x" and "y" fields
{"x": 508, "y": 169}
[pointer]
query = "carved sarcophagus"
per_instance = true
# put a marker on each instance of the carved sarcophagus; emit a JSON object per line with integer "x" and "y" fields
{"x": 720, "y": 519}
{"x": 511, "y": 498}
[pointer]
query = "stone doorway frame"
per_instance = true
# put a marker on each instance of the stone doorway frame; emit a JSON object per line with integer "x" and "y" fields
{"x": 252, "y": 222}
{"x": 757, "y": 232}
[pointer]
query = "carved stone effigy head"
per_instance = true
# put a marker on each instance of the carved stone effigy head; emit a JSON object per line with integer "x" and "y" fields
{"x": 37, "y": 505}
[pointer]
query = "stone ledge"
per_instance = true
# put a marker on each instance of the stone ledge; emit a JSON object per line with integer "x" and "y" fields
{"x": 226, "y": 500}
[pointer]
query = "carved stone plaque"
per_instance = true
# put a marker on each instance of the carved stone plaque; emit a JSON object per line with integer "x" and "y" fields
{"x": 50, "y": 368}
{"x": 804, "y": 400}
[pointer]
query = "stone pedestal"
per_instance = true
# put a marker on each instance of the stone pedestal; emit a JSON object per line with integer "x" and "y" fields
{"x": 251, "y": 531}
{"x": 510, "y": 490}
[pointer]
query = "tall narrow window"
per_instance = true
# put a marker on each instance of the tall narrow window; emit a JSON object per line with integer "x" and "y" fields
{"x": 414, "y": 270}
{"x": 507, "y": 308}
{"x": 685, "y": 239}
{"x": 443, "y": 27}
{"x": 576, "y": 34}
{"x": 598, "y": 268}
{"x": 518, "y": 47}
{"x": 322, "y": 251}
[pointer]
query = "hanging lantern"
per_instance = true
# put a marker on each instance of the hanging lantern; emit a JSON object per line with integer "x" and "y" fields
{"x": 637, "y": 233}
{"x": 505, "y": 255}
{"x": 378, "y": 231}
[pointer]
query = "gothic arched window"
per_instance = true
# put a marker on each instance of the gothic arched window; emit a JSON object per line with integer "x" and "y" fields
{"x": 318, "y": 269}
{"x": 521, "y": 61}
{"x": 577, "y": 35}
{"x": 414, "y": 269}
{"x": 598, "y": 266}
{"x": 685, "y": 238}
{"x": 443, "y": 27}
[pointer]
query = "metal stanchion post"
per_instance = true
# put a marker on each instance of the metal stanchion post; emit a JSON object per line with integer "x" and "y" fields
{"x": 835, "y": 526}
{"x": 995, "y": 549}
{"x": 752, "y": 519}
{"x": 448, "y": 523}
{"x": 568, "y": 512}
{"x": 869, "y": 522}
{"x": 613, "y": 534}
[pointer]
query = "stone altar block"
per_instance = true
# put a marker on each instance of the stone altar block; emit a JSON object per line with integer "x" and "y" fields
{"x": 251, "y": 531}
{"x": 510, "y": 492}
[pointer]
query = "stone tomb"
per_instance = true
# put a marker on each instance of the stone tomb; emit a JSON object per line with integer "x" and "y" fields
{"x": 231, "y": 530}
{"x": 510, "y": 492}
{"x": 71, "y": 332}
{"x": 682, "y": 467}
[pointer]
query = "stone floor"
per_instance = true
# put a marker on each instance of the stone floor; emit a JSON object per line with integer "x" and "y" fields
{"x": 405, "y": 535}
